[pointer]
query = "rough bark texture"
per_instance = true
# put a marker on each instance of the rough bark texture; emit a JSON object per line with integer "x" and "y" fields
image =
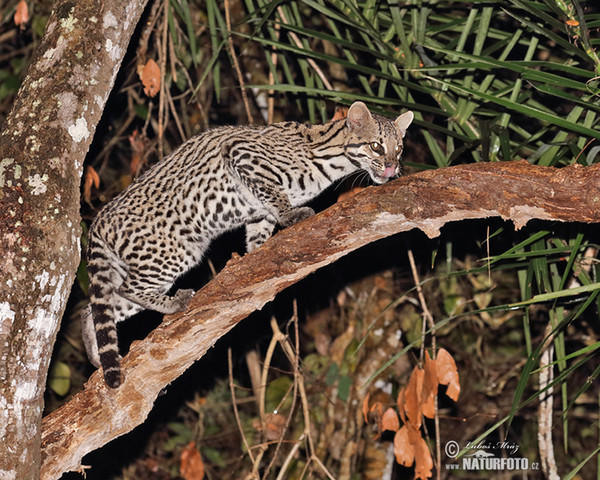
{"x": 427, "y": 201}
{"x": 42, "y": 148}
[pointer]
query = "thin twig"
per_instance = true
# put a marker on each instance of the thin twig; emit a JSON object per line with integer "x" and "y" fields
{"x": 293, "y": 357}
{"x": 163, "y": 65}
{"x": 253, "y": 364}
{"x": 310, "y": 61}
{"x": 265, "y": 374}
{"x": 429, "y": 321}
{"x": 545, "y": 410}
{"x": 175, "y": 116}
{"x": 322, "y": 466}
{"x": 288, "y": 421}
{"x": 234, "y": 403}
{"x": 289, "y": 458}
{"x": 271, "y": 92}
{"x": 426, "y": 313}
{"x": 489, "y": 259}
{"x": 236, "y": 64}
{"x": 203, "y": 112}
{"x": 172, "y": 58}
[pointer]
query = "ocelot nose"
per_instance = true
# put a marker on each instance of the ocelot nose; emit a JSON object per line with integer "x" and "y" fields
{"x": 390, "y": 169}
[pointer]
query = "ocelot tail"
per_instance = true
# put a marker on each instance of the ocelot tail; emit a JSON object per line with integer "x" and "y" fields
{"x": 260, "y": 177}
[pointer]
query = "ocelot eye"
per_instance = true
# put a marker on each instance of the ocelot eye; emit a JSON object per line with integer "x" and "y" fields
{"x": 399, "y": 149}
{"x": 377, "y": 148}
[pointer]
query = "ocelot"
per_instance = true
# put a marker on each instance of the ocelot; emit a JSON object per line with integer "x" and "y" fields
{"x": 260, "y": 177}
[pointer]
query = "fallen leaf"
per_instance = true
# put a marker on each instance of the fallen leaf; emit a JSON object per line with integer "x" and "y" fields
{"x": 389, "y": 420}
{"x": 448, "y": 373}
{"x": 150, "y": 77}
{"x": 191, "y": 466}
{"x": 21, "y": 14}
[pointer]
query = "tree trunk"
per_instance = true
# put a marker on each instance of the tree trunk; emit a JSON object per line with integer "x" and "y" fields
{"x": 512, "y": 190}
{"x": 42, "y": 148}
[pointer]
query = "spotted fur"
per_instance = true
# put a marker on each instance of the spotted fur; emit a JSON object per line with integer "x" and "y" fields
{"x": 260, "y": 177}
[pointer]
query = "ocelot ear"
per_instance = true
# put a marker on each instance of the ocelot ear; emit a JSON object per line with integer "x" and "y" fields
{"x": 358, "y": 116}
{"x": 403, "y": 121}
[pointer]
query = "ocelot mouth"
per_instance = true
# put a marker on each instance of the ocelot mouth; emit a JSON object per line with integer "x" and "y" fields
{"x": 377, "y": 178}
{"x": 383, "y": 176}
{"x": 389, "y": 172}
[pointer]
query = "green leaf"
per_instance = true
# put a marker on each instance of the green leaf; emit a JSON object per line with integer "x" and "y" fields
{"x": 214, "y": 456}
{"x": 332, "y": 374}
{"x": 546, "y": 297}
{"x": 59, "y": 378}
{"x": 344, "y": 386}
{"x": 523, "y": 109}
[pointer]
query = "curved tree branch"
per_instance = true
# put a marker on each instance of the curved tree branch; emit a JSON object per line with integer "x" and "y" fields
{"x": 515, "y": 191}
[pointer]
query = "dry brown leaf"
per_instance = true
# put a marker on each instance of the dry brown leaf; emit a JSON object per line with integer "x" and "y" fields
{"x": 138, "y": 147}
{"x": 403, "y": 448}
{"x": 377, "y": 409}
{"x": 423, "y": 460}
{"x": 191, "y": 465}
{"x": 21, "y": 14}
{"x": 448, "y": 373}
{"x": 150, "y": 77}
{"x": 274, "y": 425}
{"x": 389, "y": 420}
{"x": 91, "y": 178}
{"x": 365, "y": 407}
{"x": 337, "y": 352}
{"x": 430, "y": 387}
{"x": 413, "y": 406}
{"x": 401, "y": 403}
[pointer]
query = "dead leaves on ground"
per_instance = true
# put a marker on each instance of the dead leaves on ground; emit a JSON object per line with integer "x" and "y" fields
{"x": 415, "y": 401}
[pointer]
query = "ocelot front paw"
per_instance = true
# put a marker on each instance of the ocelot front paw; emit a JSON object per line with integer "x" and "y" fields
{"x": 295, "y": 215}
{"x": 182, "y": 298}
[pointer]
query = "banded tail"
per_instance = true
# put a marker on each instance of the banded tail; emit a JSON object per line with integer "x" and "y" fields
{"x": 103, "y": 299}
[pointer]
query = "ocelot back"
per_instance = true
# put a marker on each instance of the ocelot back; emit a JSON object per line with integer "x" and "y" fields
{"x": 260, "y": 177}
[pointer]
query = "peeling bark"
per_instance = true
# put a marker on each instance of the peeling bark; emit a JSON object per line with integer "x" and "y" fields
{"x": 515, "y": 191}
{"x": 42, "y": 148}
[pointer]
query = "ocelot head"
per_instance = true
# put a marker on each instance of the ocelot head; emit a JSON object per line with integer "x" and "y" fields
{"x": 375, "y": 142}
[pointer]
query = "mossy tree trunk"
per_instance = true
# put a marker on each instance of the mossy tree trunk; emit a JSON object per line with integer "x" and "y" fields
{"x": 42, "y": 148}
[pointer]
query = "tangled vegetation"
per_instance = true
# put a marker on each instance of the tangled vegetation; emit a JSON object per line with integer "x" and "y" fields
{"x": 488, "y": 81}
